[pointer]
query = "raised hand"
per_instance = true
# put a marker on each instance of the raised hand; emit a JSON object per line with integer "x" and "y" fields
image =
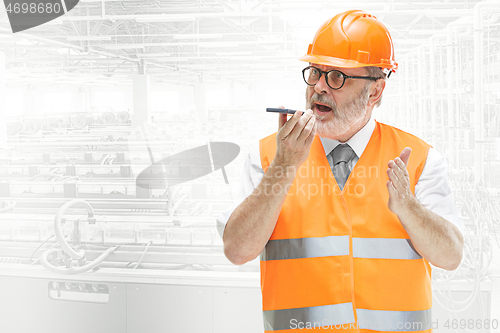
{"x": 400, "y": 195}
{"x": 294, "y": 138}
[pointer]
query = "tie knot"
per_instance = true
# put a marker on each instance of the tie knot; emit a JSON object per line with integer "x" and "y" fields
{"x": 342, "y": 153}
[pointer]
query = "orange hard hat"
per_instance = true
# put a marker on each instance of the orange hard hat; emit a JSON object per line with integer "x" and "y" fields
{"x": 352, "y": 39}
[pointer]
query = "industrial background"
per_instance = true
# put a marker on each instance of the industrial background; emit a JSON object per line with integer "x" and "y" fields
{"x": 90, "y": 100}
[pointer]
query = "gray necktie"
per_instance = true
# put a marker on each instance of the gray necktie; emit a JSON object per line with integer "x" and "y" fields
{"x": 341, "y": 156}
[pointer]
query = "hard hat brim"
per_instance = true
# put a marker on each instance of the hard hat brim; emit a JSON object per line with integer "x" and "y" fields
{"x": 343, "y": 63}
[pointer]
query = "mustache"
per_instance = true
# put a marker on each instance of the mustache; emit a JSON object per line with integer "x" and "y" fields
{"x": 317, "y": 98}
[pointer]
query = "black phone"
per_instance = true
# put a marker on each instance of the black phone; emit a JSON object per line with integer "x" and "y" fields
{"x": 279, "y": 110}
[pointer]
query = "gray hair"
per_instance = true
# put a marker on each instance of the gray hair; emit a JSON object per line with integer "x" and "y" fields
{"x": 378, "y": 73}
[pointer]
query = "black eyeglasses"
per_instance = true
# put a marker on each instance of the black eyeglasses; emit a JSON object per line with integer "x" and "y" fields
{"x": 334, "y": 79}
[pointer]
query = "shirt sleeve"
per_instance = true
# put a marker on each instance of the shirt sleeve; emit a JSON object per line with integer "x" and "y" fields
{"x": 433, "y": 192}
{"x": 251, "y": 176}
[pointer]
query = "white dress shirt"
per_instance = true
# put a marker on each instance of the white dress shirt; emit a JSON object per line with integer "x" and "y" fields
{"x": 431, "y": 190}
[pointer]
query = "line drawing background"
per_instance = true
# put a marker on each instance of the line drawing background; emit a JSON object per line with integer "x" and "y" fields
{"x": 166, "y": 99}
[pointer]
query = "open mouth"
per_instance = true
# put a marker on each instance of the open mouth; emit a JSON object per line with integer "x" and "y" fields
{"x": 322, "y": 107}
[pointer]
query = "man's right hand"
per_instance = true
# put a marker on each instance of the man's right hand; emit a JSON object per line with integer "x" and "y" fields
{"x": 252, "y": 223}
{"x": 294, "y": 138}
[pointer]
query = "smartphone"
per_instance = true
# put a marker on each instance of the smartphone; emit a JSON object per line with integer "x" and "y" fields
{"x": 289, "y": 111}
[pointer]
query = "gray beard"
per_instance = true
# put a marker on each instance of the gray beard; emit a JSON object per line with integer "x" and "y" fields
{"x": 343, "y": 119}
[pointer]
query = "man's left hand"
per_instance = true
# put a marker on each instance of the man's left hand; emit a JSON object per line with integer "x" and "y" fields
{"x": 400, "y": 196}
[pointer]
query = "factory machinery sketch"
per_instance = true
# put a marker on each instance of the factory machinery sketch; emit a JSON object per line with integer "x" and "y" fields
{"x": 85, "y": 248}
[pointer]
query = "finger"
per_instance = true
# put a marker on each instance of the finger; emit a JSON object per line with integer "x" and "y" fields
{"x": 299, "y": 127}
{"x": 401, "y": 174}
{"x": 282, "y": 118}
{"x": 311, "y": 136}
{"x": 400, "y": 164}
{"x": 397, "y": 170}
{"x": 401, "y": 171}
{"x": 391, "y": 189}
{"x": 290, "y": 124}
{"x": 405, "y": 155}
{"x": 390, "y": 174}
{"x": 399, "y": 187}
{"x": 307, "y": 129}
{"x": 309, "y": 118}
{"x": 395, "y": 180}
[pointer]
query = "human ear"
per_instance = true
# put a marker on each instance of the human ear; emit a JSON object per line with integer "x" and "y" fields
{"x": 375, "y": 92}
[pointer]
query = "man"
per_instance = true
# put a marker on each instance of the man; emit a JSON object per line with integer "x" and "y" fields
{"x": 345, "y": 231}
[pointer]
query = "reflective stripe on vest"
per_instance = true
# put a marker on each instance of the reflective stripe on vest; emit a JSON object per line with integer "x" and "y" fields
{"x": 383, "y": 248}
{"x": 311, "y": 247}
{"x": 315, "y": 316}
{"x": 379, "y": 320}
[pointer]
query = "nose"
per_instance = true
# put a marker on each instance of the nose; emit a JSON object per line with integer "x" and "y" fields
{"x": 321, "y": 86}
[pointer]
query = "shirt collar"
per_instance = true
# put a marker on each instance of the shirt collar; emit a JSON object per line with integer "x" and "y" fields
{"x": 358, "y": 142}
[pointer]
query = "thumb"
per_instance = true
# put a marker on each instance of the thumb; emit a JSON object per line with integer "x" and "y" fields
{"x": 405, "y": 155}
{"x": 282, "y": 118}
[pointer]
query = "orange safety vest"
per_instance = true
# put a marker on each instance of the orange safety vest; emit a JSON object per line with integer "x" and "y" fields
{"x": 342, "y": 260}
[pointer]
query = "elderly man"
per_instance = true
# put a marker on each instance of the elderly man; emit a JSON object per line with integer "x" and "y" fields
{"x": 345, "y": 228}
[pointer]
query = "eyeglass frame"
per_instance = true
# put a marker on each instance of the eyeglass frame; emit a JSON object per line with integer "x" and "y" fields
{"x": 335, "y": 70}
